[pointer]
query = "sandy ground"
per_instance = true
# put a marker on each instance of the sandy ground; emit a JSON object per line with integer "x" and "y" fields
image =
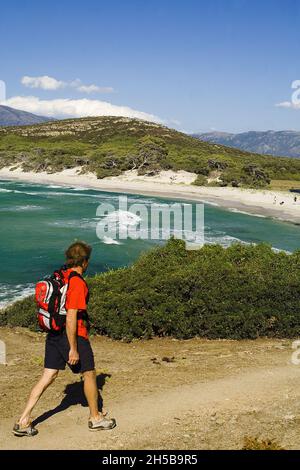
{"x": 175, "y": 185}
{"x": 211, "y": 395}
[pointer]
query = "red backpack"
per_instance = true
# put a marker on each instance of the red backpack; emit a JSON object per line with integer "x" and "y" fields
{"x": 50, "y": 296}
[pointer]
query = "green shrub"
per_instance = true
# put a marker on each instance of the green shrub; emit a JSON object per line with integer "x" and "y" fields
{"x": 201, "y": 180}
{"x": 20, "y": 313}
{"x": 244, "y": 291}
{"x": 105, "y": 172}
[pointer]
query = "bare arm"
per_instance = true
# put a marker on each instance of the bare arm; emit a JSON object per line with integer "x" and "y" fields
{"x": 71, "y": 329}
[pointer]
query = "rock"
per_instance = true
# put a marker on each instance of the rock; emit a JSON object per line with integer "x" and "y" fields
{"x": 168, "y": 359}
{"x": 253, "y": 410}
{"x": 219, "y": 421}
{"x": 289, "y": 417}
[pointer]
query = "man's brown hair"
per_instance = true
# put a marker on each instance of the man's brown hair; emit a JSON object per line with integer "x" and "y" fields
{"x": 77, "y": 253}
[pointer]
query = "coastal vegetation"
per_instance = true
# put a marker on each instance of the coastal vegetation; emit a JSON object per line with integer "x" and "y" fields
{"x": 244, "y": 291}
{"x": 108, "y": 146}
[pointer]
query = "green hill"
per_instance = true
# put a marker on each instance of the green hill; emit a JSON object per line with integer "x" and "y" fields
{"x": 108, "y": 146}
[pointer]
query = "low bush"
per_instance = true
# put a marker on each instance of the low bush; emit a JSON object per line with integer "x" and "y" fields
{"x": 244, "y": 291}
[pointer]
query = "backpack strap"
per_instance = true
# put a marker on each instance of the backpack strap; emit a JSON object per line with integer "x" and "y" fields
{"x": 74, "y": 274}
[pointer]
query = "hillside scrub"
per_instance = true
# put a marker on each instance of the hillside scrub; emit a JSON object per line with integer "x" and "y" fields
{"x": 244, "y": 291}
{"x": 108, "y": 146}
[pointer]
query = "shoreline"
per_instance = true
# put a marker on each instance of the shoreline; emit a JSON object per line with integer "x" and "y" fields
{"x": 172, "y": 185}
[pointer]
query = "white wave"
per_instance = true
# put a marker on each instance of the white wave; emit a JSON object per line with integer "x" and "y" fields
{"x": 279, "y": 250}
{"x": 27, "y": 207}
{"x": 69, "y": 188}
{"x": 3, "y": 190}
{"x": 210, "y": 203}
{"x": 238, "y": 211}
{"x": 227, "y": 240}
{"x": 80, "y": 188}
{"x": 110, "y": 241}
{"x": 141, "y": 200}
{"x": 10, "y": 294}
{"x": 224, "y": 240}
{"x": 45, "y": 193}
{"x": 123, "y": 218}
{"x": 16, "y": 191}
{"x": 55, "y": 186}
{"x": 72, "y": 194}
{"x": 118, "y": 222}
{"x": 75, "y": 223}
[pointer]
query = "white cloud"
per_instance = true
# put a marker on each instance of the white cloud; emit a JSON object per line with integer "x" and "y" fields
{"x": 50, "y": 83}
{"x": 64, "y": 108}
{"x": 94, "y": 89}
{"x": 288, "y": 104}
{"x": 295, "y": 98}
{"x": 284, "y": 104}
{"x": 44, "y": 82}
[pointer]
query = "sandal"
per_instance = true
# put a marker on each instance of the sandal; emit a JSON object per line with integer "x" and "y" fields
{"x": 29, "y": 431}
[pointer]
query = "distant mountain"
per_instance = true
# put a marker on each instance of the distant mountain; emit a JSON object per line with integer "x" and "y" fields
{"x": 278, "y": 143}
{"x": 15, "y": 117}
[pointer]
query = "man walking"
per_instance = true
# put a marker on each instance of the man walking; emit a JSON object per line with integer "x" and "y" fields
{"x": 70, "y": 346}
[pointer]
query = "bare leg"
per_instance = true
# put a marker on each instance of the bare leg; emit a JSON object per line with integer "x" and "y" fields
{"x": 91, "y": 393}
{"x": 49, "y": 375}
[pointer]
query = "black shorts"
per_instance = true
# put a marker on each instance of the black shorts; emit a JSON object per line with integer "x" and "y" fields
{"x": 57, "y": 353}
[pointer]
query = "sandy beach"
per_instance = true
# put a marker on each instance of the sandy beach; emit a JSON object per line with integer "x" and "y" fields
{"x": 168, "y": 184}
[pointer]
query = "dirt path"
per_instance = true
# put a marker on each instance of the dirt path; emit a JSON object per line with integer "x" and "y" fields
{"x": 211, "y": 396}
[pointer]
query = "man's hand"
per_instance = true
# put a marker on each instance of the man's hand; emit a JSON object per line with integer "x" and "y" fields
{"x": 73, "y": 357}
{"x": 71, "y": 328}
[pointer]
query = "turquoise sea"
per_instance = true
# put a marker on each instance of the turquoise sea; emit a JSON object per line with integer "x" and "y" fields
{"x": 37, "y": 223}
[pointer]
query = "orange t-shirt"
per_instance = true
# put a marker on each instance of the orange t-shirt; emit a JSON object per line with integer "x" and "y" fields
{"x": 76, "y": 299}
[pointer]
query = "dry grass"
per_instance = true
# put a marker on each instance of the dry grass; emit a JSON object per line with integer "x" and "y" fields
{"x": 284, "y": 185}
{"x": 254, "y": 443}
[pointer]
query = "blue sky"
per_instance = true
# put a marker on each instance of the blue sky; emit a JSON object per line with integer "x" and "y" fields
{"x": 194, "y": 65}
